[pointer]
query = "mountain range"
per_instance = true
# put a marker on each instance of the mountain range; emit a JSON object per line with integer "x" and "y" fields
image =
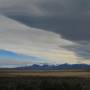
{"x": 55, "y": 67}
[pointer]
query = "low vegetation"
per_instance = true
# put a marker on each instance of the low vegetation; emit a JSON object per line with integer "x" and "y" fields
{"x": 43, "y": 83}
{"x": 17, "y": 80}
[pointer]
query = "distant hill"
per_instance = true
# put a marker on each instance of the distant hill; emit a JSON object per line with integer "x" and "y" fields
{"x": 55, "y": 67}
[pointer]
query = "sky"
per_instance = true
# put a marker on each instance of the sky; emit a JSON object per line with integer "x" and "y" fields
{"x": 44, "y": 31}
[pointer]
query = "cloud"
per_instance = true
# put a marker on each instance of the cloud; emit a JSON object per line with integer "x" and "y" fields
{"x": 9, "y": 57}
{"x": 46, "y": 7}
{"x": 82, "y": 50}
{"x": 20, "y": 7}
{"x": 69, "y": 18}
{"x": 35, "y": 42}
{"x": 74, "y": 25}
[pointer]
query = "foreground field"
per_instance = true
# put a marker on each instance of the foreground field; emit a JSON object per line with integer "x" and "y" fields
{"x": 44, "y": 83}
{"x": 81, "y": 74}
{"x": 44, "y": 80}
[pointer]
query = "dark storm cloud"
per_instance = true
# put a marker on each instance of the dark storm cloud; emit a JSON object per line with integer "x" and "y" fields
{"x": 70, "y": 28}
{"x": 70, "y": 18}
{"x": 46, "y": 7}
{"x": 65, "y": 7}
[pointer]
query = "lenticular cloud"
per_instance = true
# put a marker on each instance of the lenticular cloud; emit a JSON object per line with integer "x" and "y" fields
{"x": 19, "y": 38}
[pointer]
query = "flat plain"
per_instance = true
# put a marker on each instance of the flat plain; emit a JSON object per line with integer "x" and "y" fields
{"x": 44, "y": 80}
{"x": 27, "y": 73}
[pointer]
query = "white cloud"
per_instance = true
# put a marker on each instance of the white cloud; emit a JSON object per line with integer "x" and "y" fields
{"x": 31, "y": 41}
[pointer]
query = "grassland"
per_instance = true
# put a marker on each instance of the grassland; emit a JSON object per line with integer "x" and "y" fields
{"x": 44, "y": 80}
{"x": 16, "y": 73}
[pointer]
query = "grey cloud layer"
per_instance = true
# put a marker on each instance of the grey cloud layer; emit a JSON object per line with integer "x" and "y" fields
{"x": 75, "y": 22}
{"x": 46, "y": 7}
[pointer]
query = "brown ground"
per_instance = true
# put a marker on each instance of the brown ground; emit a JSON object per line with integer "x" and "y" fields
{"x": 79, "y": 74}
